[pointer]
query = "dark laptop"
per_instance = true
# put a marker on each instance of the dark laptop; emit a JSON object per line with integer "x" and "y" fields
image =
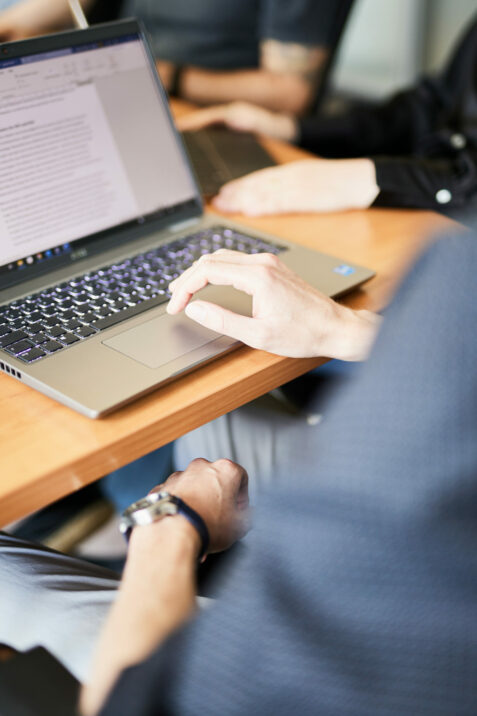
{"x": 219, "y": 155}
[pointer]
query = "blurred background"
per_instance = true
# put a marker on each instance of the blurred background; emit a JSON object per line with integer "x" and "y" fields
{"x": 387, "y": 45}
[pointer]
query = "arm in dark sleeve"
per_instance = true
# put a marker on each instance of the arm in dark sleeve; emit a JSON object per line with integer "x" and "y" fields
{"x": 358, "y": 592}
{"x": 395, "y": 127}
{"x": 427, "y": 183}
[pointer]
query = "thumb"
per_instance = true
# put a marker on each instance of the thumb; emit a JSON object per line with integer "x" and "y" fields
{"x": 221, "y": 320}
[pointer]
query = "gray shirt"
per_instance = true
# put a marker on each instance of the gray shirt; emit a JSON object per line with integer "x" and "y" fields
{"x": 357, "y": 595}
{"x": 227, "y": 35}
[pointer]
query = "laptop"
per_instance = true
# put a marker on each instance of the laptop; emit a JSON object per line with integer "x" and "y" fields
{"x": 219, "y": 155}
{"x": 99, "y": 211}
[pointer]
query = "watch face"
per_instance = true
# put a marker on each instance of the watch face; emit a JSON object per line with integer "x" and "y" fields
{"x": 146, "y": 502}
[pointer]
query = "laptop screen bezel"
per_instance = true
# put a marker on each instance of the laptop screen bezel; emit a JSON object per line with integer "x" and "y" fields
{"x": 97, "y": 243}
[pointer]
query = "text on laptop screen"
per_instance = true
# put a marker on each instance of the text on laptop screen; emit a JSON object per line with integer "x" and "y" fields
{"x": 85, "y": 145}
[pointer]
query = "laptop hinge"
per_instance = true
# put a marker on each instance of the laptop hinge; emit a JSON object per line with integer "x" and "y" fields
{"x": 183, "y": 224}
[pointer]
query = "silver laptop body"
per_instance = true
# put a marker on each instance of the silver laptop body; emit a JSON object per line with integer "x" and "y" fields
{"x": 95, "y": 177}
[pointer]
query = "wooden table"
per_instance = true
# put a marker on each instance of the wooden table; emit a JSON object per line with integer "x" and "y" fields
{"x": 48, "y": 451}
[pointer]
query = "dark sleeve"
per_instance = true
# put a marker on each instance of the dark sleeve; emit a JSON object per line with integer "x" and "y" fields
{"x": 427, "y": 183}
{"x": 308, "y": 22}
{"x": 395, "y": 127}
{"x": 358, "y": 592}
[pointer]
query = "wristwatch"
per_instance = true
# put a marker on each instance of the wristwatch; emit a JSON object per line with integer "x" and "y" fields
{"x": 157, "y": 505}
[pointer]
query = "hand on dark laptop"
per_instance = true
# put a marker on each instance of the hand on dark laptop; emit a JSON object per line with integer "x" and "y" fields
{"x": 290, "y": 318}
{"x": 243, "y": 117}
{"x": 312, "y": 185}
{"x": 218, "y": 491}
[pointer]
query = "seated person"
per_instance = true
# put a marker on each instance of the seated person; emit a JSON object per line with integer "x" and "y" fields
{"x": 269, "y": 52}
{"x": 357, "y": 591}
{"x": 422, "y": 146}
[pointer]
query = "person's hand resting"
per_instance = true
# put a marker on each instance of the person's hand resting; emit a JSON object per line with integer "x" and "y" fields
{"x": 243, "y": 117}
{"x": 218, "y": 491}
{"x": 157, "y": 593}
{"x": 290, "y": 317}
{"x": 311, "y": 185}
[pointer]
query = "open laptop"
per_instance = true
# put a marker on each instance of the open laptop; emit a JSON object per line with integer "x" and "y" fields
{"x": 99, "y": 210}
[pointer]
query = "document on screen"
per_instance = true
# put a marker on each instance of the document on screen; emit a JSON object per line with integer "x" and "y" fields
{"x": 62, "y": 176}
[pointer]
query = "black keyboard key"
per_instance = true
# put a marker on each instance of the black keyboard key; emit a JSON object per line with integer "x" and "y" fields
{"x": 85, "y": 332}
{"x": 35, "y": 328}
{"x": 116, "y": 318}
{"x": 11, "y": 338}
{"x": 20, "y": 347}
{"x": 33, "y": 355}
{"x": 56, "y": 331}
{"x": 18, "y": 325}
{"x": 69, "y": 338}
{"x": 82, "y": 310}
{"x": 52, "y": 346}
{"x": 34, "y": 317}
{"x": 67, "y": 315}
{"x": 66, "y": 305}
{"x": 89, "y": 317}
{"x": 73, "y": 324}
{"x": 50, "y": 321}
{"x": 4, "y": 330}
{"x": 112, "y": 297}
{"x": 40, "y": 338}
{"x": 104, "y": 311}
{"x": 81, "y": 298}
{"x": 49, "y": 310}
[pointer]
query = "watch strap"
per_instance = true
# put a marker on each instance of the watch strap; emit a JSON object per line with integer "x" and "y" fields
{"x": 191, "y": 515}
{"x": 196, "y": 521}
{"x": 175, "y": 83}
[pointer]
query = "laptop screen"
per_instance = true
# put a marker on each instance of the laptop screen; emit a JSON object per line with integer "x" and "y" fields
{"x": 86, "y": 146}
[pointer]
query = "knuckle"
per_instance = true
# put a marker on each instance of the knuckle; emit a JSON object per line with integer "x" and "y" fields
{"x": 265, "y": 273}
{"x": 271, "y": 260}
{"x": 223, "y": 464}
{"x": 199, "y": 462}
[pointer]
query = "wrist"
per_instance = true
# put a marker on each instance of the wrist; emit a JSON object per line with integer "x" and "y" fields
{"x": 175, "y": 81}
{"x": 352, "y": 334}
{"x": 363, "y": 183}
{"x": 287, "y": 128}
{"x": 173, "y": 535}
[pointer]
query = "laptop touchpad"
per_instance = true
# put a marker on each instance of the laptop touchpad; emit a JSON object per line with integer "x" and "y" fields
{"x": 161, "y": 340}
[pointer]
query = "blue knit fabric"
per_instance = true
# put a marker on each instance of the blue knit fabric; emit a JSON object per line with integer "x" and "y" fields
{"x": 357, "y": 594}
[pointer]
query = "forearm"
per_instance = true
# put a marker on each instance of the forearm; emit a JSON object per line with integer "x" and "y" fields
{"x": 157, "y": 594}
{"x": 279, "y": 92}
{"x": 38, "y": 16}
{"x": 395, "y": 127}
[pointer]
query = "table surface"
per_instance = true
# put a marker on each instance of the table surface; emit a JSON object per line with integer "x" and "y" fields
{"x": 48, "y": 451}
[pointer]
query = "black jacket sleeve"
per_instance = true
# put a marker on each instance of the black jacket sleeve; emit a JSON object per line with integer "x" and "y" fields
{"x": 427, "y": 183}
{"x": 395, "y": 127}
{"x": 423, "y": 141}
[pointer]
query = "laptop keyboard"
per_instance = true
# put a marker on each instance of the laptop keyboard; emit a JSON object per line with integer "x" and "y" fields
{"x": 44, "y": 323}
